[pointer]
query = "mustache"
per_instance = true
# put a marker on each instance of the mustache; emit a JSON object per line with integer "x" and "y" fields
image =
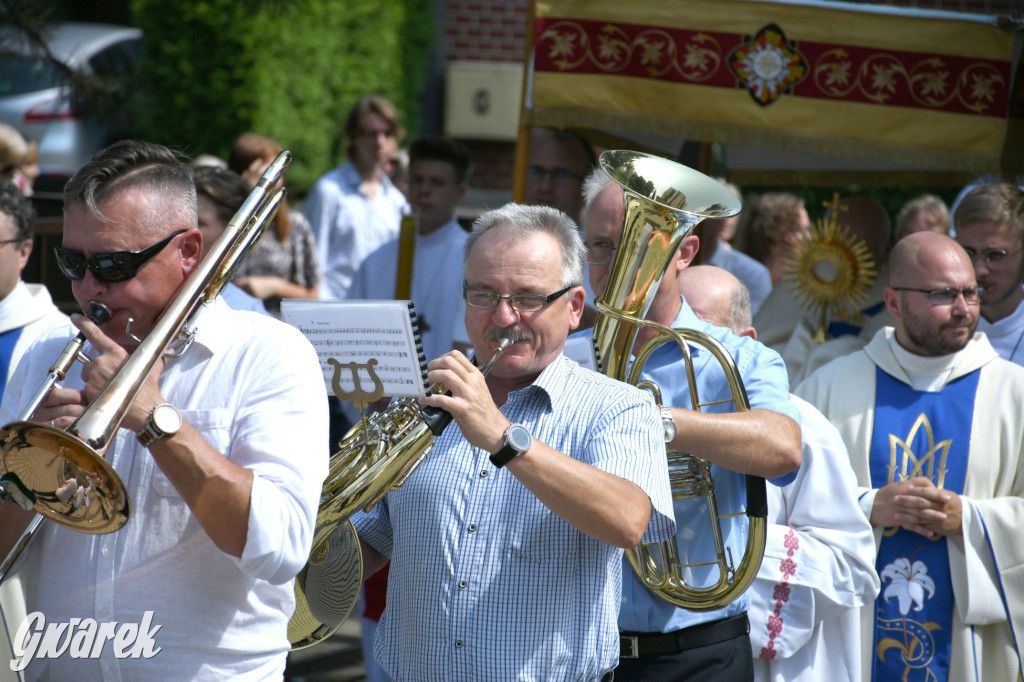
{"x": 510, "y": 333}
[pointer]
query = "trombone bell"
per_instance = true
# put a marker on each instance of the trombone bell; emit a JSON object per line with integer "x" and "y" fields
{"x": 63, "y": 478}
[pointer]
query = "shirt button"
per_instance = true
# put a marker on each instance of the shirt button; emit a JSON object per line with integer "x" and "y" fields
{"x": 472, "y": 527}
{"x": 483, "y": 474}
{"x": 463, "y": 583}
{"x": 458, "y": 644}
{"x": 104, "y": 612}
{"x": 105, "y": 551}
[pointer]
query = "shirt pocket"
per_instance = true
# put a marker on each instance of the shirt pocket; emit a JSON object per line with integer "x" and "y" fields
{"x": 538, "y": 535}
{"x": 212, "y": 425}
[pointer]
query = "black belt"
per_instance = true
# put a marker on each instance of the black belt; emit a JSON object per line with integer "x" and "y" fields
{"x": 638, "y": 644}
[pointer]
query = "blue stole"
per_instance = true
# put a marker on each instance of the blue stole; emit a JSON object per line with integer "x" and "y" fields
{"x": 8, "y": 339}
{"x": 917, "y": 434}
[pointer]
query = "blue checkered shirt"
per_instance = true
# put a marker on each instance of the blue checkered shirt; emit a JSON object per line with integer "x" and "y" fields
{"x": 486, "y": 582}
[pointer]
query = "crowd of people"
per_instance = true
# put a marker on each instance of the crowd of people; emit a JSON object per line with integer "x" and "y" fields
{"x": 890, "y": 452}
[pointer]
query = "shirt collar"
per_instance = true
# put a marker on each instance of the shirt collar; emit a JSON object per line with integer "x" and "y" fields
{"x": 552, "y": 381}
{"x": 351, "y": 177}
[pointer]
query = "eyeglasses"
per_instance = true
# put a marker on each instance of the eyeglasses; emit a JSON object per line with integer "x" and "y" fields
{"x": 108, "y": 267}
{"x": 559, "y": 176}
{"x": 5, "y": 242}
{"x": 990, "y": 256}
{"x": 947, "y": 296}
{"x": 523, "y": 303}
{"x": 600, "y": 254}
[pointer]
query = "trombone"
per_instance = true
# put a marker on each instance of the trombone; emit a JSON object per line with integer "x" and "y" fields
{"x": 63, "y": 475}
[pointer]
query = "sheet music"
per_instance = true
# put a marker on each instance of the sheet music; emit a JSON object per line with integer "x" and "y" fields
{"x": 581, "y": 349}
{"x": 368, "y": 341}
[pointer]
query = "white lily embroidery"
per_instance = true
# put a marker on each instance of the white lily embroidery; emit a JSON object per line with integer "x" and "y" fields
{"x": 909, "y": 584}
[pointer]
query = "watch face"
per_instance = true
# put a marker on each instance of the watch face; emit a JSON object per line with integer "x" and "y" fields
{"x": 166, "y": 418}
{"x": 519, "y": 438}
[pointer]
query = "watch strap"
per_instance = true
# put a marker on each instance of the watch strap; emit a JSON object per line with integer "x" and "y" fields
{"x": 508, "y": 451}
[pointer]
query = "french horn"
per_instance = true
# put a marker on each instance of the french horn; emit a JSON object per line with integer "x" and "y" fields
{"x": 664, "y": 201}
{"x": 377, "y": 455}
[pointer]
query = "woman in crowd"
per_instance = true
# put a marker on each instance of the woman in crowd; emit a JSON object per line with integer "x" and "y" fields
{"x": 283, "y": 264}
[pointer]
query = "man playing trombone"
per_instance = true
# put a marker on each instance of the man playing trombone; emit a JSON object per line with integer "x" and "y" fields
{"x": 221, "y": 450}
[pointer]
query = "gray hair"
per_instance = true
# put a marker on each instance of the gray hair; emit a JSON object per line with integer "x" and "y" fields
{"x": 131, "y": 164}
{"x": 740, "y": 315}
{"x": 521, "y": 221}
{"x": 595, "y": 182}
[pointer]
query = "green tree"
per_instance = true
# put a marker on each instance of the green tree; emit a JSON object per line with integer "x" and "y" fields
{"x": 213, "y": 69}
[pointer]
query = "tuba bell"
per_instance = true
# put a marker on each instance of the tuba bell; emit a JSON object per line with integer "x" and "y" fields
{"x": 664, "y": 201}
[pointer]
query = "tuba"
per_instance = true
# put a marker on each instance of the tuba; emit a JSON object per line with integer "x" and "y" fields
{"x": 376, "y": 456}
{"x": 664, "y": 201}
{"x": 63, "y": 475}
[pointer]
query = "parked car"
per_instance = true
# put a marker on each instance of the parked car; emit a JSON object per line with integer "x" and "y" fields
{"x": 36, "y": 96}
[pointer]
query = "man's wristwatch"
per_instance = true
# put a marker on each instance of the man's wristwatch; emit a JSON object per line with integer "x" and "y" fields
{"x": 517, "y": 441}
{"x": 668, "y": 423}
{"x": 163, "y": 422}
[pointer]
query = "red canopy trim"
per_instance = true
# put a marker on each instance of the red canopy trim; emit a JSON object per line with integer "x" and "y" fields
{"x": 771, "y": 66}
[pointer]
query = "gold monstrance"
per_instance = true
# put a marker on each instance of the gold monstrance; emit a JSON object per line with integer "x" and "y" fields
{"x": 831, "y": 272}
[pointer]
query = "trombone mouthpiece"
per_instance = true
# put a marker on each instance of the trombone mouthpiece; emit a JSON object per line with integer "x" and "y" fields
{"x": 100, "y": 313}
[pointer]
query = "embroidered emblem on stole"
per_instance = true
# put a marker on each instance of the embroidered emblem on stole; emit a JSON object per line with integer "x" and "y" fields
{"x": 917, "y": 434}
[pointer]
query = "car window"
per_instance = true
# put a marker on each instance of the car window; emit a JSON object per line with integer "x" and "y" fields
{"x": 20, "y": 74}
{"x": 117, "y": 61}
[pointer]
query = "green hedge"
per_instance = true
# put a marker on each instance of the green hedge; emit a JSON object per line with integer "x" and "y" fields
{"x": 288, "y": 69}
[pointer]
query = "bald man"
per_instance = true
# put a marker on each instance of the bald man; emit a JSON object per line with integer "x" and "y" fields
{"x": 818, "y": 566}
{"x": 931, "y": 417}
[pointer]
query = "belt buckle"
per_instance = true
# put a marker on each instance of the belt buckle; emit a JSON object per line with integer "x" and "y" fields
{"x": 631, "y": 646}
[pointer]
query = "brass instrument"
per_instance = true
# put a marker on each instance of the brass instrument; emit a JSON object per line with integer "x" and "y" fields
{"x": 664, "y": 201}
{"x": 377, "y": 455}
{"x": 63, "y": 474}
{"x": 407, "y": 230}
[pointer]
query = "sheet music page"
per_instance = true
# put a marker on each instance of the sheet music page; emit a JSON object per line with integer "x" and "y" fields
{"x": 363, "y": 346}
{"x": 581, "y": 349}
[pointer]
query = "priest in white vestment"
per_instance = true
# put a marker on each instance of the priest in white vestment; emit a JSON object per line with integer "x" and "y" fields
{"x": 819, "y": 559}
{"x": 931, "y": 417}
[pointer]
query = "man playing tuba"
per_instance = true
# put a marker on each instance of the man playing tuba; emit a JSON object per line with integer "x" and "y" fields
{"x": 660, "y": 641}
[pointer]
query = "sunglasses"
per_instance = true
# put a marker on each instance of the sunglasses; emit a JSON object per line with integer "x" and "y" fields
{"x": 118, "y": 266}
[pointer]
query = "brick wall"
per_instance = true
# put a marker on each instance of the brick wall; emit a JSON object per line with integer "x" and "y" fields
{"x": 491, "y": 30}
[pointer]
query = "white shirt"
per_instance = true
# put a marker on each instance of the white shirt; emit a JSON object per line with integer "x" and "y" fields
{"x": 436, "y": 284}
{"x": 252, "y": 386}
{"x": 1006, "y": 335}
{"x": 30, "y": 308}
{"x": 348, "y": 225}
